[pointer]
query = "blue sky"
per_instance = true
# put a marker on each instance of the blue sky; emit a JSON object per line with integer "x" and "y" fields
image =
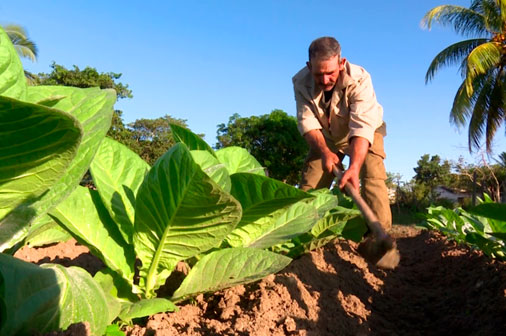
{"x": 205, "y": 60}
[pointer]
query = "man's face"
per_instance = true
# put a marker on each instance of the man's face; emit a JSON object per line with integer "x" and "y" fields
{"x": 326, "y": 71}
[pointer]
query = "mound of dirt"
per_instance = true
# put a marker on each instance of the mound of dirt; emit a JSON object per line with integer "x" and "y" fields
{"x": 439, "y": 288}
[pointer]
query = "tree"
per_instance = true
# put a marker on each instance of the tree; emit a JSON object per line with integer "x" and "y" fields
{"x": 431, "y": 173}
{"x": 481, "y": 98}
{"x": 89, "y": 77}
{"x": 151, "y": 138}
{"x": 484, "y": 177}
{"x": 273, "y": 139}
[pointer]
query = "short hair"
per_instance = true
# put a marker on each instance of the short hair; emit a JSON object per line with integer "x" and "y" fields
{"x": 324, "y": 48}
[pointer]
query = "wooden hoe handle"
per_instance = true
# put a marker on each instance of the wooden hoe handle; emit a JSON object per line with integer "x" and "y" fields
{"x": 370, "y": 217}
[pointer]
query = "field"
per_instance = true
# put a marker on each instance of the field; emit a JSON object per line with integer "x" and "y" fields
{"x": 439, "y": 288}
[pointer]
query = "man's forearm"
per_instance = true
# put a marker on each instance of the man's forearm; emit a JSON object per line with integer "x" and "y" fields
{"x": 316, "y": 141}
{"x": 358, "y": 150}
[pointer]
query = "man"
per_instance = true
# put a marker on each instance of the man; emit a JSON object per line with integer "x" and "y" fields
{"x": 338, "y": 114}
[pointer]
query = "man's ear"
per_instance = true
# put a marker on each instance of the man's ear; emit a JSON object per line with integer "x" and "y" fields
{"x": 341, "y": 63}
{"x": 308, "y": 64}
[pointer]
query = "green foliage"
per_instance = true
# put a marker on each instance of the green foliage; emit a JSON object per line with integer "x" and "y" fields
{"x": 180, "y": 212}
{"x": 273, "y": 139}
{"x": 149, "y": 138}
{"x": 45, "y": 231}
{"x": 337, "y": 217}
{"x": 118, "y": 173}
{"x": 229, "y": 267}
{"x": 480, "y": 100}
{"x": 429, "y": 174}
{"x": 104, "y": 240}
{"x": 432, "y": 171}
{"x": 41, "y": 299}
{"x": 86, "y": 78}
{"x": 482, "y": 227}
{"x": 145, "y": 307}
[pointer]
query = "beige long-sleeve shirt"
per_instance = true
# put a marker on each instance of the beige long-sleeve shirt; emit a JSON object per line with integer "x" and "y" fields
{"x": 353, "y": 108}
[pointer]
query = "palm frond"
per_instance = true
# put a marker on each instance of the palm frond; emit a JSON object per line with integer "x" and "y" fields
{"x": 481, "y": 60}
{"x": 491, "y": 11}
{"x": 495, "y": 116}
{"x": 502, "y": 7}
{"x": 31, "y": 78}
{"x": 453, "y": 54}
{"x": 479, "y": 115}
{"x": 19, "y": 38}
{"x": 464, "y": 20}
{"x": 488, "y": 111}
{"x": 462, "y": 107}
{"x": 26, "y": 51}
{"x": 502, "y": 159}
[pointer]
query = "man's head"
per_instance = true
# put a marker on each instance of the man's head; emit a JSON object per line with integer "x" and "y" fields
{"x": 325, "y": 62}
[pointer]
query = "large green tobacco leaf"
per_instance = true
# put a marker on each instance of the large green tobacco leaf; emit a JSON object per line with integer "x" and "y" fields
{"x": 180, "y": 212}
{"x": 276, "y": 228}
{"x": 261, "y": 195}
{"x": 229, "y": 267}
{"x": 118, "y": 173}
{"x": 190, "y": 139}
{"x": 213, "y": 168}
{"x": 495, "y": 211}
{"x": 45, "y": 231}
{"x": 37, "y": 299}
{"x": 239, "y": 160}
{"x": 85, "y": 217}
{"x": 93, "y": 108}
{"x": 37, "y": 145}
{"x": 12, "y": 76}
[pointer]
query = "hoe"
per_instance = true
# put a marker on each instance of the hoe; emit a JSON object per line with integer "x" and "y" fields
{"x": 378, "y": 248}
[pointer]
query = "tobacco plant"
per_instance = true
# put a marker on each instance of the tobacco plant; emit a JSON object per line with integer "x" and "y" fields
{"x": 482, "y": 227}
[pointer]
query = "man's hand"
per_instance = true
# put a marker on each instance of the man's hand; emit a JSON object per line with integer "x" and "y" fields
{"x": 317, "y": 143}
{"x": 358, "y": 150}
{"x": 329, "y": 160}
{"x": 351, "y": 176}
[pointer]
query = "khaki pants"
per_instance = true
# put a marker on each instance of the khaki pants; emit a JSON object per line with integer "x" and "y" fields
{"x": 372, "y": 176}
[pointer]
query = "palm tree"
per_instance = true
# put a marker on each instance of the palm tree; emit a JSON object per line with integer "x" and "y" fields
{"x": 481, "y": 98}
{"x": 24, "y": 46}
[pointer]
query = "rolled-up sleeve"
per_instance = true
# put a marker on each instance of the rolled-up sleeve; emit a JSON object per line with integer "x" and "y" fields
{"x": 306, "y": 120}
{"x": 366, "y": 114}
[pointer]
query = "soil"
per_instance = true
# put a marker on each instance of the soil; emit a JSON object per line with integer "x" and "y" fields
{"x": 439, "y": 288}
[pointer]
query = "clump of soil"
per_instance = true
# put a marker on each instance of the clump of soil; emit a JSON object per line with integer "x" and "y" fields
{"x": 439, "y": 288}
